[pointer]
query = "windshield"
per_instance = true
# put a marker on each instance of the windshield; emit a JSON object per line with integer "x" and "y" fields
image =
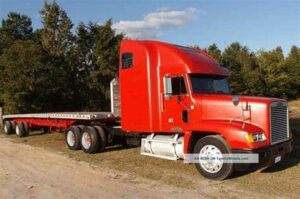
{"x": 209, "y": 83}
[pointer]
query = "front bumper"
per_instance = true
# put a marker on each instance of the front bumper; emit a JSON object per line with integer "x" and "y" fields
{"x": 266, "y": 155}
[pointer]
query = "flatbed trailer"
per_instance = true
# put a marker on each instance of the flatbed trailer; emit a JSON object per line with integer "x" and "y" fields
{"x": 64, "y": 115}
{"x": 174, "y": 101}
{"x": 60, "y": 121}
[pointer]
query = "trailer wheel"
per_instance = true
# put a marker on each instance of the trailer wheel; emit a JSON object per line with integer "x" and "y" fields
{"x": 73, "y": 138}
{"x": 20, "y": 131}
{"x": 13, "y": 126}
{"x": 26, "y": 128}
{"x": 90, "y": 141}
{"x": 103, "y": 138}
{"x": 213, "y": 146}
{"x": 7, "y": 128}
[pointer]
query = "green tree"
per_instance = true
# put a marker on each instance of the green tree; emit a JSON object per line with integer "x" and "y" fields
{"x": 106, "y": 54}
{"x": 274, "y": 75}
{"x": 1, "y": 84}
{"x": 243, "y": 70}
{"x": 56, "y": 35}
{"x": 293, "y": 66}
{"x": 94, "y": 58}
{"x": 14, "y": 27}
{"x": 26, "y": 78}
{"x": 215, "y": 52}
{"x": 57, "y": 39}
{"x": 81, "y": 58}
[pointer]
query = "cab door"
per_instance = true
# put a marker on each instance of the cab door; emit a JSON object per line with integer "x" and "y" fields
{"x": 175, "y": 114}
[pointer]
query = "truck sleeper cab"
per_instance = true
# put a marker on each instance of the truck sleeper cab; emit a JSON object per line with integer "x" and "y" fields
{"x": 177, "y": 99}
{"x": 180, "y": 96}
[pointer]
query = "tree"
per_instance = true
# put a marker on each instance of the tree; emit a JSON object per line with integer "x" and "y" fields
{"x": 1, "y": 85}
{"x": 243, "y": 70}
{"x": 81, "y": 59}
{"x": 15, "y": 27}
{"x": 58, "y": 41}
{"x": 26, "y": 78}
{"x": 56, "y": 33}
{"x": 293, "y": 66}
{"x": 106, "y": 52}
{"x": 274, "y": 74}
{"x": 215, "y": 52}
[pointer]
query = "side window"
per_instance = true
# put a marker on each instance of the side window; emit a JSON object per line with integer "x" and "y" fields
{"x": 127, "y": 60}
{"x": 178, "y": 86}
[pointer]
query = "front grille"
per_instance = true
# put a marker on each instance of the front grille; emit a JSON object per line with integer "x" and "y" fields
{"x": 279, "y": 122}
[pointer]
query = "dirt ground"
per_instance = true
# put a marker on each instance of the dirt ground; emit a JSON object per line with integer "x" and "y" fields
{"x": 40, "y": 166}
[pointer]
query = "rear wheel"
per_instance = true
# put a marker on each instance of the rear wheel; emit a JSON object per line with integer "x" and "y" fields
{"x": 102, "y": 137}
{"x": 73, "y": 138}
{"x": 7, "y": 128}
{"x": 90, "y": 141}
{"x": 13, "y": 126}
{"x": 213, "y": 147}
{"x": 26, "y": 128}
{"x": 20, "y": 130}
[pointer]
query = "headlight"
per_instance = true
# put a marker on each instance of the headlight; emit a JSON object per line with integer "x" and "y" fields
{"x": 255, "y": 137}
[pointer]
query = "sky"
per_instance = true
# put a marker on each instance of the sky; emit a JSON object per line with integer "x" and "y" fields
{"x": 258, "y": 24}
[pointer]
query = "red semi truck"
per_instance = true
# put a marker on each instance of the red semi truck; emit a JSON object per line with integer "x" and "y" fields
{"x": 174, "y": 101}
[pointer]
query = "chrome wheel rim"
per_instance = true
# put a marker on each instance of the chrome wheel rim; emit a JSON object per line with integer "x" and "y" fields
{"x": 5, "y": 129}
{"x": 86, "y": 140}
{"x": 71, "y": 138}
{"x": 17, "y": 130}
{"x": 210, "y": 158}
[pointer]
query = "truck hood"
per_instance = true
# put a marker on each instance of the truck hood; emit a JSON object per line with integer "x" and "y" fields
{"x": 220, "y": 108}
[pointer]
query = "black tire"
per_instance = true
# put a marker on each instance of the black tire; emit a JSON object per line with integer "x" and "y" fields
{"x": 73, "y": 133}
{"x": 218, "y": 142}
{"x": 20, "y": 131}
{"x": 7, "y": 128}
{"x": 103, "y": 138}
{"x": 13, "y": 126}
{"x": 90, "y": 140}
{"x": 26, "y": 128}
{"x": 81, "y": 127}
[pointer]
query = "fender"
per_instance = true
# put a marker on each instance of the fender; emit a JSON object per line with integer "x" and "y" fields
{"x": 234, "y": 134}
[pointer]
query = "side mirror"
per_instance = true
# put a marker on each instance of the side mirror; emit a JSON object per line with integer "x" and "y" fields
{"x": 235, "y": 100}
{"x": 167, "y": 87}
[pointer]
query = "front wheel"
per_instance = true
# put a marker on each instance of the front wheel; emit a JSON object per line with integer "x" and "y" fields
{"x": 213, "y": 147}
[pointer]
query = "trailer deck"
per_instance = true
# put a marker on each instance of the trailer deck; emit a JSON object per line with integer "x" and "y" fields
{"x": 63, "y": 115}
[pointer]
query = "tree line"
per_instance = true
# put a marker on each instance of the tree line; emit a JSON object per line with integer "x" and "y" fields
{"x": 54, "y": 68}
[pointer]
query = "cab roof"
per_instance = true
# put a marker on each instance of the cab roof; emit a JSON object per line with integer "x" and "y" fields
{"x": 188, "y": 59}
